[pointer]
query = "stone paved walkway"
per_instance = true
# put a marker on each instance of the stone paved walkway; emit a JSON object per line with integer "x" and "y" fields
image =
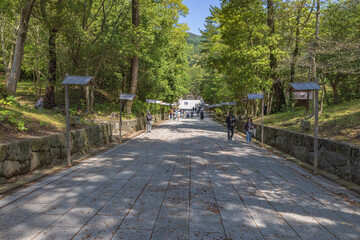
{"x": 182, "y": 181}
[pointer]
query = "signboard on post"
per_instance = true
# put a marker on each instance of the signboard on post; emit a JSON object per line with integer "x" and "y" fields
{"x": 308, "y": 87}
{"x": 253, "y": 96}
{"x": 77, "y": 81}
{"x": 150, "y": 101}
{"x": 129, "y": 97}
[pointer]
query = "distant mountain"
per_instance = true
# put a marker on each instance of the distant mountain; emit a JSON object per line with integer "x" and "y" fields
{"x": 193, "y": 35}
{"x": 194, "y": 39}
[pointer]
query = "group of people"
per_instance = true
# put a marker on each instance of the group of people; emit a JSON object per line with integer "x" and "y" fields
{"x": 174, "y": 115}
{"x": 232, "y": 123}
{"x": 185, "y": 114}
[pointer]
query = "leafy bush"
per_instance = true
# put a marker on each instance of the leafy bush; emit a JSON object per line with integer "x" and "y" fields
{"x": 138, "y": 108}
{"x": 13, "y": 118}
{"x": 106, "y": 107}
{"x": 3, "y": 92}
{"x": 9, "y": 101}
{"x": 218, "y": 111}
{"x": 73, "y": 111}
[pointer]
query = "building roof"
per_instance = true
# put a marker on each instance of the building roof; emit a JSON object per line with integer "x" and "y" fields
{"x": 78, "y": 80}
{"x": 304, "y": 86}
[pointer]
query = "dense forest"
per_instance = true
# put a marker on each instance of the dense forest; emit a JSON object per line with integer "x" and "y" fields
{"x": 140, "y": 47}
{"x": 133, "y": 46}
{"x": 261, "y": 46}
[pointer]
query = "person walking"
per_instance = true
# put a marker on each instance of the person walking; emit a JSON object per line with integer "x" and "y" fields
{"x": 248, "y": 129}
{"x": 171, "y": 113}
{"x": 178, "y": 115}
{"x": 149, "y": 121}
{"x": 231, "y": 124}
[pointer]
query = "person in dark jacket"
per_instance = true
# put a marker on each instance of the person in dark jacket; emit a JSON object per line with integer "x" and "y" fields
{"x": 231, "y": 124}
{"x": 202, "y": 115}
{"x": 247, "y": 128}
{"x": 149, "y": 120}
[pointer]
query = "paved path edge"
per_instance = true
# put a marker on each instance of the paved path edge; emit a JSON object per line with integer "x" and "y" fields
{"x": 308, "y": 167}
{"x": 97, "y": 153}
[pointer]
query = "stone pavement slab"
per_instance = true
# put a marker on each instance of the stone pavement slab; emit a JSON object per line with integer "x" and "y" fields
{"x": 182, "y": 181}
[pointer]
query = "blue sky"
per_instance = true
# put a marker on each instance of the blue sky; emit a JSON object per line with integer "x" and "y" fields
{"x": 198, "y": 11}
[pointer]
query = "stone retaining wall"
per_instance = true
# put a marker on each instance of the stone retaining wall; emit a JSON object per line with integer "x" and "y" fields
{"x": 24, "y": 156}
{"x": 339, "y": 158}
{"x": 133, "y": 125}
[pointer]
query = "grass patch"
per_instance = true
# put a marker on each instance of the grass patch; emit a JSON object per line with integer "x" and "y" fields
{"x": 340, "y": 122}
{"x": 36, "y": 123}
{"x": 19, "y": 119}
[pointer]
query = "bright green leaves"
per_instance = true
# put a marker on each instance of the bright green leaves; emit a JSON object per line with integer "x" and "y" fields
{"x": 237, "y": 50}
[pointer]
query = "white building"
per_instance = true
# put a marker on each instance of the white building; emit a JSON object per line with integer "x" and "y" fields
{"x": 187, "y": 105}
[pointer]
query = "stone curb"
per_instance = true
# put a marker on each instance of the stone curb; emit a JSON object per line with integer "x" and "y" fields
{"x": 308, "y": 167}
{"x": 98, "y": 153}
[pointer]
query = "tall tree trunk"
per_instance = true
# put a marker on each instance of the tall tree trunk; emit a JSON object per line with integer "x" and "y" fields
{"x": 87, "y": 88}
{"x": 92, "y": 90}
{"x": 7, "y": 64}
{"x": 357, "y": 91}
{"x": 315, "y": 46}
{"x": 92, "y": 98}
{"x": 255, "y": 108}
{"x": 87, "y": 98}
{"x": 336, "y": 93}
{"x": 297, "y": 39}
{"x": 50, "y": 89}
{"x": 2, "y": 25}
{"x": 134, "y": 59}
{"x": 322, "y": 96}
{"x": 270, "y": 103}
{"x": 125, "y": 83}
{"x": 334, "y": 84}
{"x": 20, "y": 45}
{"x": 277, "y": 86}
{"x": 317, "y": 31}
{"x": 38, "y": 73}
{"x": 246, "y": 110}
{"x": 37, "y": 81}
